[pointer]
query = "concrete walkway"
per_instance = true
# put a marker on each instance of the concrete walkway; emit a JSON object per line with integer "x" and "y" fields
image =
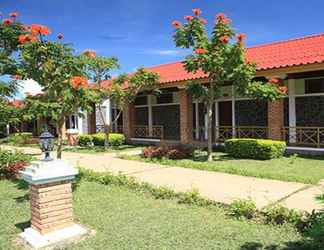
{"x": 217, "y": 186}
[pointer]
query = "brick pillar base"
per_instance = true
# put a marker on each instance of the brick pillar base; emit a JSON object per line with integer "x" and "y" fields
{"x": 51, "y": 206}
{"x": 185, "y": 117}
{"x": 129, "y": 121}
{"x": 276, "y": 119}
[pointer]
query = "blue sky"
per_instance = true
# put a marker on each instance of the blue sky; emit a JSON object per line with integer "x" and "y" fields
{"x": 139, "y": 33}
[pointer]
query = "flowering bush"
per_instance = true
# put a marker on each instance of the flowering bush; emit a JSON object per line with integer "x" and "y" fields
{"x": 176, "y": 152}
{"x": 12, "y": 162}
{"x": 154, "y": 152}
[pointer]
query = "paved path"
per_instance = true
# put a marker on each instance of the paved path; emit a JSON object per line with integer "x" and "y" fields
{"x": 217, "y": 186}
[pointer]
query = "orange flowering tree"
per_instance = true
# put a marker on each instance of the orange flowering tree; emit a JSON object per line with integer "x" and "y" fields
{"x": 10, "y": 29}
{"x": 55, "y": 67}
{"x": 221, "y": 56}
{"x": 120, "y": 91}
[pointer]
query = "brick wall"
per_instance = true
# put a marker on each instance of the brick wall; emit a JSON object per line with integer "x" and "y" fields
{"x": 185, "y": 117}
{"x": 276, "y": 119}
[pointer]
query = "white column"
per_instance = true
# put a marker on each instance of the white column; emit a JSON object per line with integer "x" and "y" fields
{"x": 150, "y": 118}
{"x": 292, "y": 110}
{"x": 107, "y": 106}
{"x": 216, "y": 121}
{"x": 233, "y": 111}
{"x": 197, "y": 120}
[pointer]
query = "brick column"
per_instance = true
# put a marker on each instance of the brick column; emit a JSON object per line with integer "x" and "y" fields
{"x": 51, "y": 206}
{"x": 276, "y": 119}
{"x": 185, "y": 117}
{"x": 129, "y": 121}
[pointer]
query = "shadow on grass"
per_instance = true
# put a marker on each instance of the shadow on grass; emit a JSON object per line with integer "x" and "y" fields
{"x": 304, "y": 244}
{"x": 22, "y": 225}
{"x": 217, "y": 157}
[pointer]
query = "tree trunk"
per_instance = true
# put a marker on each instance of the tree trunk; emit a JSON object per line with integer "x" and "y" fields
{"x": 60, "y": 126}
{"x": 107, "y": 131}
{"x": 209, "y": 131}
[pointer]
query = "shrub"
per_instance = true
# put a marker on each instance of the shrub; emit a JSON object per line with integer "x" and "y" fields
{"x": 85, "y": 140}
{"x": 12, "y": 162}
{"x": 255, "y": 148}
{"x": 279, "y": 214}
{"x": 315, "y": 227}
{"x": 98, "y": 139}
{"x": 176, "y": 152}
{"x": 20, "y": 138}
{"x": 116, "y": 140}
{"x": 243, "y": 208}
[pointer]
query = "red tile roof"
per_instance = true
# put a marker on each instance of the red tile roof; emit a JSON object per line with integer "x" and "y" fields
{"x": 300, "y": 51}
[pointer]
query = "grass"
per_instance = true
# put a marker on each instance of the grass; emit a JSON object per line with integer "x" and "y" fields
{"x": 124, "y": 219}
{"x": 309, "y": 170}
{"x": 99, "y": 149}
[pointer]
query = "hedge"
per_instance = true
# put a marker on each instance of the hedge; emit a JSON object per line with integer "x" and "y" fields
{"x": 255, "y": 148}
{"x": 85, "y": 141}
{"x": 19, "y": 138}
{"x": 99, "y": 140}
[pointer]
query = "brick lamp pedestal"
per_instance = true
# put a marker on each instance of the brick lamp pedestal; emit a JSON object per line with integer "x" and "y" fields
{"x": 51, "y": 203}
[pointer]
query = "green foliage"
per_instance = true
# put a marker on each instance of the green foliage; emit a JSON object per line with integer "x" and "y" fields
{"x": 255, "y": 148}
{"x": 98, "y": 139}
{"x": 314, "y": 227}
{"x": 8, "y": 45}
{"x": 11, "y": 162}
{"x": 279, "y": 214}
{"x": 194, "y": 198}
{"x": 19, "y": 138}
{"x": 116, "y": 140}
{"x": 243, "y": 209}
{"x": 85, "y": 140}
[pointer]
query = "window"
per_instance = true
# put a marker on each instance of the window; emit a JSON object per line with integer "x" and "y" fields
{"x": 72, "y": 122}
{"x": 313, "y": 86}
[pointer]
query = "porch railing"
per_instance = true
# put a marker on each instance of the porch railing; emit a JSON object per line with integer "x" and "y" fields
{"x": 222, "y": 133}
{"x": 304, "y": 136}
{"x": 144, "y": 132}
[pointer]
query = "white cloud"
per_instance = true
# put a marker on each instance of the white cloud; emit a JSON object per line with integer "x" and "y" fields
{"x": 162, "y": 52}
{"x": 29, "y": 86}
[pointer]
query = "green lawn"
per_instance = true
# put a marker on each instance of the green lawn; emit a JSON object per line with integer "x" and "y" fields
{"x": 124, "y": 219}
{"x": 294, "y": 168}
{"x": 98, "y": 149}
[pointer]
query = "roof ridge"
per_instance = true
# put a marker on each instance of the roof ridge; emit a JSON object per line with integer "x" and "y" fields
{"x": 286, "y": 40}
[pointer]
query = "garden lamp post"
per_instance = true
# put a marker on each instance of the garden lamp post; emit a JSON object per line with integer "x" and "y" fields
{"x": 46, "y": 142}
{"x": 50, "y": 184}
